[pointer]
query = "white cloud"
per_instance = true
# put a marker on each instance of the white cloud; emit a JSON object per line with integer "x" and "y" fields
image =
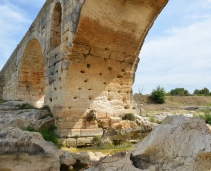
{"x": 13, "y": 21}
{"x": 180, "y": 58}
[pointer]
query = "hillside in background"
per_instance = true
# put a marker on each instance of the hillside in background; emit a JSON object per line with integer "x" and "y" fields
{"x": 172, "y": 102}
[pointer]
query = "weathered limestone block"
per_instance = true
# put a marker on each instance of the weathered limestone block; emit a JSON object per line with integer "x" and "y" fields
{"x": 83, "y": 141}
{"x": 91, "y": 125}
{"x": 67, "y": 133}
{"x": 1, "y": 86}
{"x": 71, "y": 142}
{"x": 91, "y": 132}
{"x": 72, "y": 125}
{"x": 114, "y": 120}
{"x": 78, "y": 141}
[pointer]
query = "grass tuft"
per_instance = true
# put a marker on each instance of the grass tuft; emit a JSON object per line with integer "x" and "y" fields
{"x": 129, "y": 116}
{"x": 25, "y": 106}
{"x": 48, "y": 134}
{"x": 207, "y": 115}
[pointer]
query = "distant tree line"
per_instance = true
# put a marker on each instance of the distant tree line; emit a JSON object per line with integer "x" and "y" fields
{"x": 183, "y": 92}
{"x": 159, "y": 94}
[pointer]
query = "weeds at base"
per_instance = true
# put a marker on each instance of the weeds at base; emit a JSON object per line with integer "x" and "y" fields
{"x": 48, "y": 134}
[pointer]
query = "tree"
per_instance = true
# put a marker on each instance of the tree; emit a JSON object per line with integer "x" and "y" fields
{"x": 158, "y": 95}
{"x": 205, "y": 91}
{"x": 179, "y": 92}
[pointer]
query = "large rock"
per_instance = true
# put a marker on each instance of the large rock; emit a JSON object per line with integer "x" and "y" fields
{"x": 11, "y": 115}
{"x": 88, "y": 158}
{"x": 178, "y": 144}
{"x": 24, "y": 151}
{"x": 66, "y": 158}
{"x": 117, "y": 162}
{"x": 11, "y": 105}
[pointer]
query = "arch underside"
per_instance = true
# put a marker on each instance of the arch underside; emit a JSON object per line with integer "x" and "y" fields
{"x": 31, "y": 74}
{"x": 103, "y": 59}
{"x": 56, "y": 25}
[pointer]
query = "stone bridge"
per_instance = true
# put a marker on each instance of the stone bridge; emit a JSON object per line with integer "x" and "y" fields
{"x": 80, "y": 55}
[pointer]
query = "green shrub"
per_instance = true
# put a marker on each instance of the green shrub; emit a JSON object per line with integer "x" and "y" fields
{"x": 203, "y": 92}
{"x": 158, "y": 95}
{"x": 48, "y": 134}
{"x": 207, "y": 115}
{"x": 25, "y": 106}
{"x": 98, "y": 142}
{"x": 3, "y": 101}
{"x": 152, "y": 119}
{"x": 129, "y": 116}
{"x": 45, "y": 107}
{"x": 91, "y": 116}
{"x": 158, "y": 122}
{"x": 179, "y": 92}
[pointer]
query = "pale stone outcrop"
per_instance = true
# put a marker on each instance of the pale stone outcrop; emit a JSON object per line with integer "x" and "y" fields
{"x": 178, "y": 144}
{"x": 145, "y": 124}
{"x": 11, "y": 115}
{"x": 123, "y": 131}
{"x": 24, "y": 151}
{"x": 80, "y": 55}
{"x": 11, "y": 105}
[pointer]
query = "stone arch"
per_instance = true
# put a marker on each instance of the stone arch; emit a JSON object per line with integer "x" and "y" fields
{"x": 31, "y": 85}
{"x": 56, "y": 20}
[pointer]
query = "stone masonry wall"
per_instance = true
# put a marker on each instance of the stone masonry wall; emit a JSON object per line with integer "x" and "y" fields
{"x": 80, "y": 55}
{"x": 1, "y": 86}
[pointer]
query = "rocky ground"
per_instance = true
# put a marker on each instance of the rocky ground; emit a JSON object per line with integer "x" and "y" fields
{"x": 179, "y": 144}
{"x": 23, "y": 150}
{"x": 175, "y": 141}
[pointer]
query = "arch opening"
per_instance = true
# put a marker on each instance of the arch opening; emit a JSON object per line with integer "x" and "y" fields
{"x": 56, "y": 25}
{"x": 31, "y": 85}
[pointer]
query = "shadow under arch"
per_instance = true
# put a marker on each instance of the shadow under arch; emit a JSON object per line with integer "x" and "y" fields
{"x": 31, "y": 83}
{"x": 56, "y": 20}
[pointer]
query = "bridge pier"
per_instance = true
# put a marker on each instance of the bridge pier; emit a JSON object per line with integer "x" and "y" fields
{"x": 78, "y": 56}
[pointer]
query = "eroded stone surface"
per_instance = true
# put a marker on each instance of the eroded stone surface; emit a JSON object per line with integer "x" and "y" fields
{"x": 88, "y": 157}
{"x": 24, "y": 151}
{"x": 144, "y": 123}
{"x": 11, "y": 115}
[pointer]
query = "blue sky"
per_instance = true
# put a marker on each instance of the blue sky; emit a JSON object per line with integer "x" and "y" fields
{"x": 176, "y": 52}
